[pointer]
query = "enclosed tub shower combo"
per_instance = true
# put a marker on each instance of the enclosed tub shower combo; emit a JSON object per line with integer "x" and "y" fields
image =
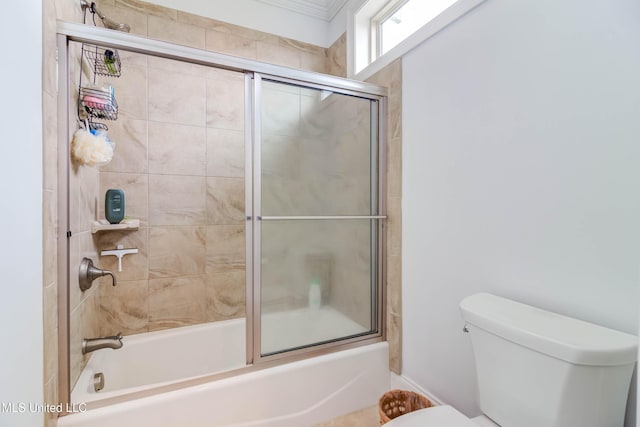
{"x": 247, "y": 260}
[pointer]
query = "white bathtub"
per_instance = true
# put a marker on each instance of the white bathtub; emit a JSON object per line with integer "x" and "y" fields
{"x": 296, "y": 394}
{"x": 157, "y": 358}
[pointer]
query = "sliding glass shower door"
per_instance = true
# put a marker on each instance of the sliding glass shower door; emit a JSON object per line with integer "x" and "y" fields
{"x": 316, "y": 209}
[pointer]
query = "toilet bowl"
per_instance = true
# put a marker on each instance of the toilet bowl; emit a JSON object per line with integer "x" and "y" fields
{"x": 536, "y": 368}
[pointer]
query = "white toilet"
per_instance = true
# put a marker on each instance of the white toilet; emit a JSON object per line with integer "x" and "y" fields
{"x": 539, "y": 369}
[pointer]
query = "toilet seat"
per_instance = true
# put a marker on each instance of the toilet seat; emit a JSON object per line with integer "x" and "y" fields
{"x": 436, "y": 416}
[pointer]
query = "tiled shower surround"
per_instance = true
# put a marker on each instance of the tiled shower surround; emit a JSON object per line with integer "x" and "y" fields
{"x": 180, "y": 160}
{"x": 183, "y": 177}
{"x": 182, "y": 168}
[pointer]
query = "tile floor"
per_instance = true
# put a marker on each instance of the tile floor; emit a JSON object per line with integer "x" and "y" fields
{"x": 367, "y": 417}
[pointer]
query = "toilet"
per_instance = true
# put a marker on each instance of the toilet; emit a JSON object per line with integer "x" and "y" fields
{"x": 536, "y": 368}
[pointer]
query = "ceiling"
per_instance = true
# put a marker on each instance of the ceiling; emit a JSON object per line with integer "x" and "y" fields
{"x": 321, "y": 9}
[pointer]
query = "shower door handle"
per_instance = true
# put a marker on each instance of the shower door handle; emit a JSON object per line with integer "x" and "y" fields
{"x": 316, "y": 218}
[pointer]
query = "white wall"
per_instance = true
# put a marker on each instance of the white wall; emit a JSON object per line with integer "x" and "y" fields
{"x": 339, "y": 23}
{"x": 21, "y": 377}
{"x": 521, "y": 172}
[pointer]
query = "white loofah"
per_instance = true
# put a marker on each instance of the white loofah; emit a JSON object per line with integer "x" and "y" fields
{"x": 91, "y": 150}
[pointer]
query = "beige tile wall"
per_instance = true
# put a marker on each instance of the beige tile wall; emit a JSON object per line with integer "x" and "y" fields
{"x": 391, "y": 77}
{"x": 70, "y": 11}
{"x": 171, "y": 144}
{"x": 180, "y": 160}
{"x": 83, "y": 203}
{"x": 197, "y": 31}
{"x": 337, "y": 57}
{"x": 186, "y": 200}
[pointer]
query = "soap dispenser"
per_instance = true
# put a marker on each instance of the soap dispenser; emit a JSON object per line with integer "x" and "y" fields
{"x": 114, "y": 206}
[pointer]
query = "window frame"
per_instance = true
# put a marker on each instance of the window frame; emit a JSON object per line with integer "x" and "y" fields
{"x": 364, "y": 35}
{"x": 377, "y": 21}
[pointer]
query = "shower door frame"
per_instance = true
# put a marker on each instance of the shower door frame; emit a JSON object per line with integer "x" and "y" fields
{"x": 79, "y": 33}
{"x": 253, "y": 147}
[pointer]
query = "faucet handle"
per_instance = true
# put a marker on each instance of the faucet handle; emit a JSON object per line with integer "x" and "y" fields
{"x": 88, "y": 273}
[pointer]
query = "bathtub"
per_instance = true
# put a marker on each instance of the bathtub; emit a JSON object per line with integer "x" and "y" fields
{"x": 295, "y": 394}
{"x": 158, "y": 358}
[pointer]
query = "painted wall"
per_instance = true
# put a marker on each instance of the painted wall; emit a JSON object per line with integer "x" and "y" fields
{"x": 21, "y": 361}
{"x": 520, "y": 172}
{"x": 339, "y": 24}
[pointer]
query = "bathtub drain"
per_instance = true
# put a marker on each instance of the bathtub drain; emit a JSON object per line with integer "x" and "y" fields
{"x": 98, "y": 381}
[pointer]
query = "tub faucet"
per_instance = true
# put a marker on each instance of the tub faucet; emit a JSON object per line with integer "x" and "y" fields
{"x": 93, "y": 344}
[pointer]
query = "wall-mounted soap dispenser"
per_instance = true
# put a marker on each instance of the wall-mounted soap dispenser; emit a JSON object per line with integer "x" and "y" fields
{"x": 114, "y": 206}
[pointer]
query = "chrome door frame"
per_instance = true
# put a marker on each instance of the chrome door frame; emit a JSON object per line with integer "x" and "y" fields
{"x": 378, "y": 176}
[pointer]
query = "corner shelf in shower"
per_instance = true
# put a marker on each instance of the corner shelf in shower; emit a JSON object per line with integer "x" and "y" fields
{"x": 104, "y": 225}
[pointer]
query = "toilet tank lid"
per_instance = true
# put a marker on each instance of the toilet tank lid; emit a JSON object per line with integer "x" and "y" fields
{"x": 563, "y": 337}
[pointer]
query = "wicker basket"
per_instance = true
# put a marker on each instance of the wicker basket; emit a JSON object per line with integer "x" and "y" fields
{"x": 394, "y": 403}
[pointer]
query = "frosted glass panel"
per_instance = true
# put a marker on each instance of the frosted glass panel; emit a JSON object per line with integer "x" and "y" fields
{"x": 317, "y": 276}
{"x": 316, "y": 156}
{"x": 332, "y": 256}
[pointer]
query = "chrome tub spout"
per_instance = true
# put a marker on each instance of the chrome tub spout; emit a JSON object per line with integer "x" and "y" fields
{"x": 93, "y": 344}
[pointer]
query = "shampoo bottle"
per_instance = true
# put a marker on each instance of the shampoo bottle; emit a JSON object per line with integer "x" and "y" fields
{"x": 315, "y": 294}
{"x": 110, "y": 61}
{"x": 114, "y": 205}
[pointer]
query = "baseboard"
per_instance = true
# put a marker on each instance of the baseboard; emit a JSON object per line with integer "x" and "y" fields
{"x": 404, "y": 383}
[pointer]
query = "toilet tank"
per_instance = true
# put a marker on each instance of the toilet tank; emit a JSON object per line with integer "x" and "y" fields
{"x": 536, "y": 368}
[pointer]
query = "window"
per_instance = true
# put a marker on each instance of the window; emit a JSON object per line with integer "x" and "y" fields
{"x": 405, "y": 19}
{"x": 382, "y": 30}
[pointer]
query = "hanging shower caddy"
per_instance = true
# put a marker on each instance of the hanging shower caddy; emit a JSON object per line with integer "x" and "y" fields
{"x": 98, "y": 101}
{"x": 105, "y": 62}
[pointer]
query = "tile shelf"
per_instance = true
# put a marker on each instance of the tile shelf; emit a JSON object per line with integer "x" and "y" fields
{"x": 104, "y": 225}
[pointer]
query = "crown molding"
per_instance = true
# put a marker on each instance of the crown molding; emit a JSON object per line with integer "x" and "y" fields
{"x": 321, "y": 9}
